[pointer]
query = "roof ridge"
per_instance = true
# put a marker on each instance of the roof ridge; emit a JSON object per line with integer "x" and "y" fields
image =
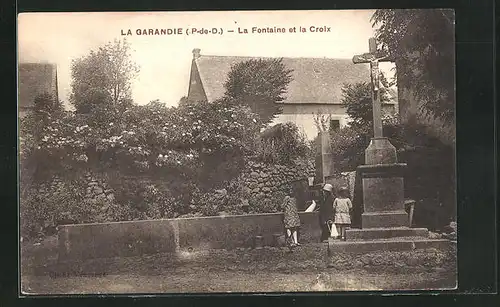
{"x": 270, "y": 57}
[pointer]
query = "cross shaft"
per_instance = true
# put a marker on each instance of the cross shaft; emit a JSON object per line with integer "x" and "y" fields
{"x": 373, "y": 57}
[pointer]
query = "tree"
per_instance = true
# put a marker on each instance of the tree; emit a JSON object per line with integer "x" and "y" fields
{"x": 322, "y": 121}
{"x": 103, "y": 77}
{"x": 422, "y": 42}
{"x": 46, "y": 106}
{"x": 357, "y": 100}
{"x": 259, "y": 84}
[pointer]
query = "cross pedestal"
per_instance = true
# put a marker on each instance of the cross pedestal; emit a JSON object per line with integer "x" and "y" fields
{"x": 383, "y": 186}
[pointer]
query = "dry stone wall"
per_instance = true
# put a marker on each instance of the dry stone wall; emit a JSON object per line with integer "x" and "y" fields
{"x": 264, "y": 186}
{"x": 98, "y": 190}
{"x": 267, "y": 182}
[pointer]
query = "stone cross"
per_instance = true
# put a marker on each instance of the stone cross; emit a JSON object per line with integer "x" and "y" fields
{"x": 373, "y": 57}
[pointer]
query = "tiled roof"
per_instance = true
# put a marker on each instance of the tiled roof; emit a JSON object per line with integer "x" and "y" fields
{"x": 315, "y": 80}
{"x": 35, "y": 79}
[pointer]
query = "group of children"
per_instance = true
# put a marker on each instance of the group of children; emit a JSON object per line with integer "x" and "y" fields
{"x": 333, "y": 209}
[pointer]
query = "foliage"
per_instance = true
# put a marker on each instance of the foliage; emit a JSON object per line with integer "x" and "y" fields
{"x": 282, "y": 144}
{"x": 47, "y": 106}
{"x": 151, "y": 138}
{"x": 422, "y": 42}
{"x": 183, "y": 101}
{"x": 322, "y": 122}
{"x": 260, "y": 84}
{"x": 46, "y": 110}
{"x": 267, "y": 205}
{"x": 42, "y": 205}
{"x": 348, "y": 147}
{"x": 357, "y": 100}
{"x": 103, "y": 77}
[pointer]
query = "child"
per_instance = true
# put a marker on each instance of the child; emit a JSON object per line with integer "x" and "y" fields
{"x": 342, "y": 206}
{"x": 326, "y": 211}
{"x": 291, "y": 218}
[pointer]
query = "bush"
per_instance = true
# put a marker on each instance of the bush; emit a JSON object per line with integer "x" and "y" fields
{"x": 270, "y": 204}
{"x": 348, "y": 147}
{"x": 42, "y": 206}
{"x": 160, "y": 202}
{"x": 282, "y": 144}
{"x": 147, "y": 198}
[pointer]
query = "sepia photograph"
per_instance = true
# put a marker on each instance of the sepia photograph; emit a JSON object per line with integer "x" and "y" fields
{"x": 237, "y": 151}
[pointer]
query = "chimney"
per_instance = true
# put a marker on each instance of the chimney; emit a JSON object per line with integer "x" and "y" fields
{"x": 196, "y": 53}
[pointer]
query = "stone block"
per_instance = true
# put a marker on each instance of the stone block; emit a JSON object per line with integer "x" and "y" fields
{"x": 397, "y": 244}
{"x": 380, "y": 151}
{"x": 385, "y": 233}
{"x": 383, "y": 187}
{"x": 384, "y": 219}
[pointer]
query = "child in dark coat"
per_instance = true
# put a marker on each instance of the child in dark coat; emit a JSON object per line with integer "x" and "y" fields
{"x": 326, "y": 211}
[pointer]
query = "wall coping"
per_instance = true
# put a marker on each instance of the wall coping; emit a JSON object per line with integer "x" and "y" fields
{"x": 185, "y": 218}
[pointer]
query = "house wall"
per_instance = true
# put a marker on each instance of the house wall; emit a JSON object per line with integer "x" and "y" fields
{"x": 35, "y": 79}
{"x": 303, "y": 115}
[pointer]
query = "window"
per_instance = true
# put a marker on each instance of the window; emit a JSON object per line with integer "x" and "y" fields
{"x": 334, "y": 125}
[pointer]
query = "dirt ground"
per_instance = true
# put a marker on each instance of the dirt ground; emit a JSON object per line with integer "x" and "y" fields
{"x": 241, "y": 270}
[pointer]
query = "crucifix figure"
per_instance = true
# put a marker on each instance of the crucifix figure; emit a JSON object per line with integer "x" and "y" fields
{"x": 373, "y": 57}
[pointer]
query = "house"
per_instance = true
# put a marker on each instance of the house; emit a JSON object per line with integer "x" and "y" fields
{"x": 35, "y": 79}
{"x": 316, "y": 88}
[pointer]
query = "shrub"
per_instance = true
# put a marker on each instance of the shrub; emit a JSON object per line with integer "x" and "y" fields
{"x": 42, "y": 206}
{"x": 282, "y": 144}
{"x": 269, "y": 204}
{"x": 160, "y": 202}
{"x": 348, "y": 147}
{"x": 142, "y": 197}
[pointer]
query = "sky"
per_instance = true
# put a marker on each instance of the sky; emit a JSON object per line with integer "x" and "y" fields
{"x": 165, "y": 60}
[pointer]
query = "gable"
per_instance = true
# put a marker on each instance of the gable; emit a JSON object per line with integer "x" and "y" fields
{"x": 35, "y": 79}
{"x": 196, "y": 91}
{"x": 315, "y": 80}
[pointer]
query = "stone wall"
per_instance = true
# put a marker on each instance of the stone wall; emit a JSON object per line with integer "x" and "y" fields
{"x": 265, "y": 182}
{"x": 265, "y": 186}
{"x": 98, "y": 190}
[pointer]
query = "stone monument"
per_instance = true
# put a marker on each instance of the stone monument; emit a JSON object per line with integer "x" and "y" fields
{"x": 384, "y": 221}
{"x": 324, "y": 158}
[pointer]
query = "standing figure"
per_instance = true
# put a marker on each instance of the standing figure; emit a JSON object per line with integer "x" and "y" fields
{"x": 291, "y": 218}
{"x": 342, "y": 206}
{"x": 326, "y": 211}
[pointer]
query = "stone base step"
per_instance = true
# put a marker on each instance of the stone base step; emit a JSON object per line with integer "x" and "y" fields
{"x": 398, "y": 218}
{"x": 384, "y": 233}
{"x": 389, "y": 244}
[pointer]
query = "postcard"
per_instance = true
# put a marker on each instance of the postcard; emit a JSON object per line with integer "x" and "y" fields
{"x": 237, "y": 151}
